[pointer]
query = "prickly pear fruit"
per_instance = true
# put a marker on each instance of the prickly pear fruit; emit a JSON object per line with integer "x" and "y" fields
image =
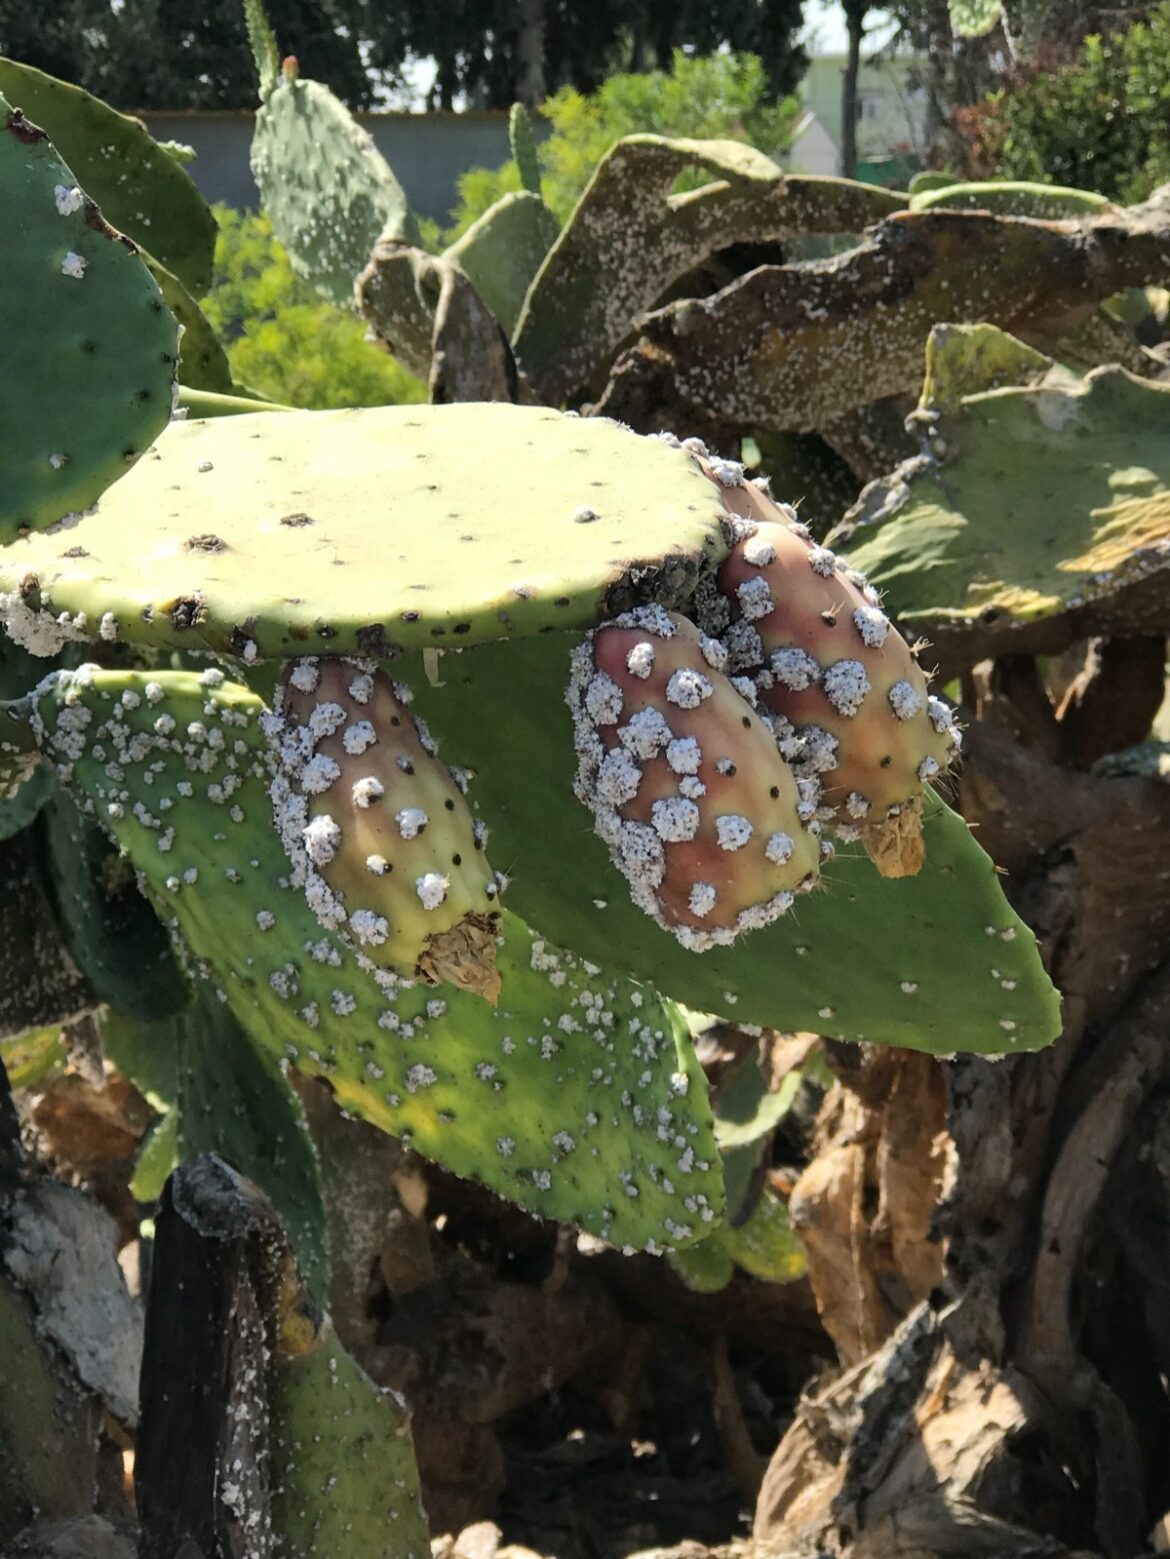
{"x": 851, "y": 704}
{"x": 377, "y": 829}
{"x": 700, "y": 812}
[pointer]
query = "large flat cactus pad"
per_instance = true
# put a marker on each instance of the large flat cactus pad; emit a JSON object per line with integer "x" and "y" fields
{"x": 347, "y": 531}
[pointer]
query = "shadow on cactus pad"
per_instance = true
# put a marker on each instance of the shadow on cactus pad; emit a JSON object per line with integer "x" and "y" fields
{"x": 1040, "y": 512}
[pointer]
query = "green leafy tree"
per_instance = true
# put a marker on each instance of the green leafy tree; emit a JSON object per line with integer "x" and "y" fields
{"x": 1103, "y": 123}
{"x": 719, "y": 95}
{"x": 283, "y": 340}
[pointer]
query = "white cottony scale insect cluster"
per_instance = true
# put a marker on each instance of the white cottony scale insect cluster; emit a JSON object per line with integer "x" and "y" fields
{"x": 376, "y": 828}
{"x": 714, "y": 754}
{"x": 846, "y": 698}
{"x": 685, "y": 780}
{"x": 572, "y": 1062}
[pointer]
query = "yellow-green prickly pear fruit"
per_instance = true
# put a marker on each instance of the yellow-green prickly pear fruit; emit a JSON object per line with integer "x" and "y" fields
{"x": 687, "y": 787}
{"x": 377, "y": 829}
{"x": 849, "y": 703}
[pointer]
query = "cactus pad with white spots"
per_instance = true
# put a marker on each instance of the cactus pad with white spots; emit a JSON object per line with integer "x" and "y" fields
{"x": 568, "y": 1052}
{"x": 89, "y": 345}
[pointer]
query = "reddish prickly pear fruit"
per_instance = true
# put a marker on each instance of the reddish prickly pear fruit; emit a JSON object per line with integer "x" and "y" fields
{"x": 377, "y": 828}
{"x": 687, "y": 787}
{"x": 836, "y": 675}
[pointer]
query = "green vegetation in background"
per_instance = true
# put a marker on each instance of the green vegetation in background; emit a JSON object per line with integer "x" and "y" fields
{"x": 282, "y": 339}
{"x": 1104, "y": 124}
{"x": 719, "y": 96}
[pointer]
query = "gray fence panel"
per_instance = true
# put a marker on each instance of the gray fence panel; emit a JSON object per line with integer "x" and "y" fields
{"x": 428, "y": 152}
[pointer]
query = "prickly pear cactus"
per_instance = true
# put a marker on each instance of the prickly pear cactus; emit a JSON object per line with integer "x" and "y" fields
{"x": 848, "y": 701}
{"x": 441, "y": 524}
{"x": 343, "y": 1470}
{"x": 578, "y": 1095}
{"x": 460, "y": 565}
{"x": 700, "y": 812}
{"x": 377, "y": 829}
{"x": 141, "y": 189}
{"x": 90, "y": 346}
{"x": 524, "y": 148}
{"x": 1010, "y": 435}
{"x": 328, "y": 191}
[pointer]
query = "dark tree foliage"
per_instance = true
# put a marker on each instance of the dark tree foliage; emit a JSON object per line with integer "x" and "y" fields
{"x": 172, "y": 54}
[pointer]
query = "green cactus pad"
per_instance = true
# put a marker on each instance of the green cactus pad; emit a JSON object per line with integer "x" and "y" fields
{"x": 577, "y": 1096}
{"x": 203, "y": 363}
{"x": 936, "y": 962}
{"x": 89, "y": 344}
{"x": 1046, "y": 499}
{"x": 208, "y": 403}
{"x": 355, "y": 531}
{"x": 524, "y": 148}
{"x": 503, "y": 251}
{"x": 1043, "y": 202}
{"x": 343, "y": 1475}
{"x": 140, "y": 187}
{"x": 325, "y": 186}
{"x": 112, "y": 933}
{"x": 764, "y": 1245}
{"x": 628, "y": 238}
{"x": 24, "y": 781}
{"x": 968, "y": 359}
{"x": 223, "y": 1094}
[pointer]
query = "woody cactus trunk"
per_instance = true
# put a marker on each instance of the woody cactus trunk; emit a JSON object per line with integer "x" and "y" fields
{"x": 731, "y": 834}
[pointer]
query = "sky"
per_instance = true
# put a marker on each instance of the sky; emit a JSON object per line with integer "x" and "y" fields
{"x": 824, "y": 27}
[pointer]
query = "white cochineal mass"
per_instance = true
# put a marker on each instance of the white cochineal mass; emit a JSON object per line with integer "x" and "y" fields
{"x": 376, "y": 827}
{"x": 715, "y": 756}
{"x": 687, "y": 787}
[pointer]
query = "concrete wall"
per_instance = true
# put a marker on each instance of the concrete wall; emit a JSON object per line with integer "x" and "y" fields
{"x": 428, "y": 152}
